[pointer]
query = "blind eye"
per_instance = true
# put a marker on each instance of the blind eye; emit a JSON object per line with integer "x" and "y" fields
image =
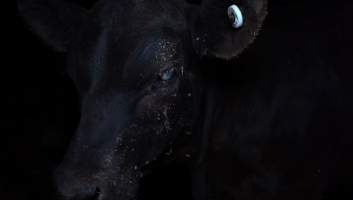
{"x": 167, "y": 74}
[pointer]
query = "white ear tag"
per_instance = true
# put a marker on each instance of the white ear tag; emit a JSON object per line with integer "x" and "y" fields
{"x": 235, "y": 16}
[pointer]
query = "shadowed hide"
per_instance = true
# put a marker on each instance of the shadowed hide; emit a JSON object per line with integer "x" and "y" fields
{"x": 173, "y": 81}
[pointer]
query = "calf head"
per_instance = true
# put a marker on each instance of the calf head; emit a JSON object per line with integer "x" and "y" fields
{"x": 132, "y": 63}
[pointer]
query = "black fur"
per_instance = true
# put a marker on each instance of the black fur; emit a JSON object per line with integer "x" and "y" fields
{"x": 264, "y": 125}
{"x": 54, "y": 21}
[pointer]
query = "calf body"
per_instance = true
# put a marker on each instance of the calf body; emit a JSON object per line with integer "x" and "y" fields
{"x": 150, "y": 71}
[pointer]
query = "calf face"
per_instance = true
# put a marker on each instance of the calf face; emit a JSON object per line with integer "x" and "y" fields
{"x": 134, "y": 103}
{"x": 132, "y": 63}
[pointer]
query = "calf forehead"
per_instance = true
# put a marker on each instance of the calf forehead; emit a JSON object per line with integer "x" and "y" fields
{"x": 150, "y": 56}
{"x": 123, "y": 40}
{"x": 127, "y": 15}
{"x": 129, "y": 60}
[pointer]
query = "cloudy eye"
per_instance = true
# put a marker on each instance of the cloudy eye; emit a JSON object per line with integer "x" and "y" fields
{"x": 167, "y": 74}
{"x": 235, "y": 16}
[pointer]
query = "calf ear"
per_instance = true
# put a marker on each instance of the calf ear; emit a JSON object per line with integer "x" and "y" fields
{"x": 54, "y": 21}
{"x": 211, "y": 30}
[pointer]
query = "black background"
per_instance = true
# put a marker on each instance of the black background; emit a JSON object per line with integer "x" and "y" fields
{"x": 48, "y": 107}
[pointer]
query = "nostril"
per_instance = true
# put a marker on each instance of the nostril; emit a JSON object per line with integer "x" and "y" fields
{"x": 96, "y": 194}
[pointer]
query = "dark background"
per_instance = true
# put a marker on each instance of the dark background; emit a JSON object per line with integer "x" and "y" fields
{"x": 48, "y": 108}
